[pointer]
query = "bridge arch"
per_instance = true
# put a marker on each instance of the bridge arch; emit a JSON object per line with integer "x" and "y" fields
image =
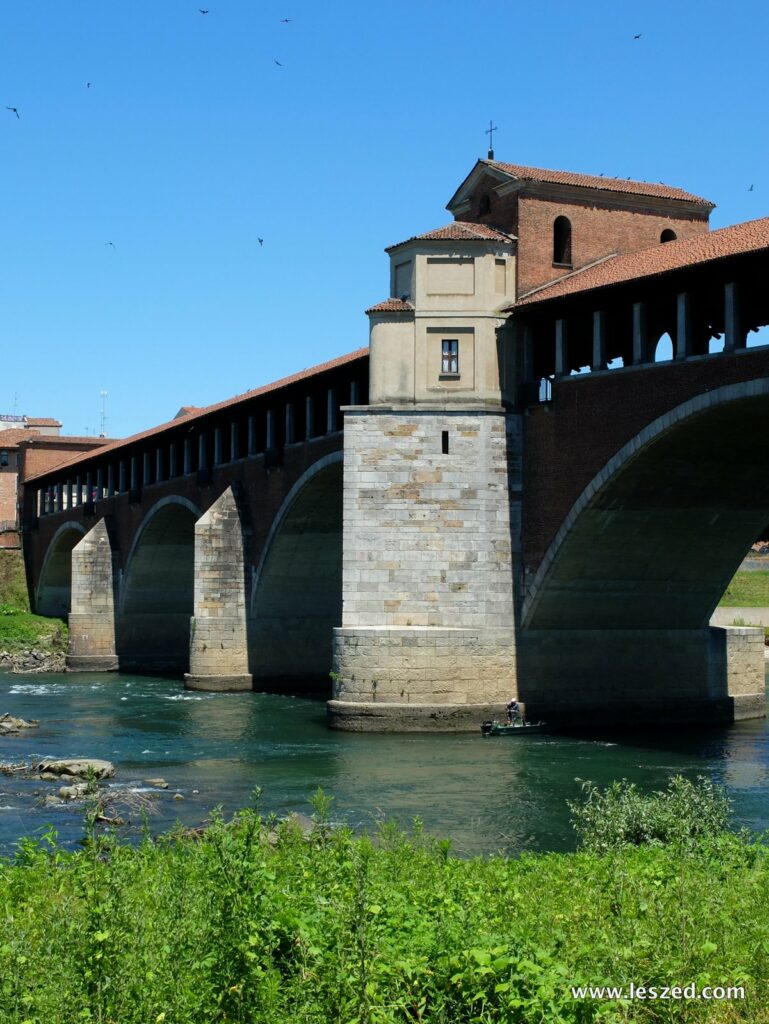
{"x": 156, "y": 590}
{"x": 53, "y": 594}
{"x": 296, "y": 597}
{"x": 653, "y": 540}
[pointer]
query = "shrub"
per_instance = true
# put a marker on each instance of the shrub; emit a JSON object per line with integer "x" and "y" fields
{"x": 620, "y": 815}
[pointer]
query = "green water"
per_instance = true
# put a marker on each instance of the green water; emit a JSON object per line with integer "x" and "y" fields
{"x": 485, "y": 794}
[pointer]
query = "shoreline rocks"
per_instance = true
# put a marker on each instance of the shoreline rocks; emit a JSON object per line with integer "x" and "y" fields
{"x": 31, "y": 662}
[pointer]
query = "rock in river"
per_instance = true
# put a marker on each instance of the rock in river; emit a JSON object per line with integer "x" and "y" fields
{"x": 78, "y": 766}
{"x": 75, "y": 792}
{"x": 9, "y": 724}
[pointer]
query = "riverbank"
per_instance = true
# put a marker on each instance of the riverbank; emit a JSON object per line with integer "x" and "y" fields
{"x": 28, "y": 643}
{"x": 229, "y": 924}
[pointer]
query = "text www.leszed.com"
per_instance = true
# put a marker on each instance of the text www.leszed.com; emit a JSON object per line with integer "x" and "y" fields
{"x": 652, "y": 992}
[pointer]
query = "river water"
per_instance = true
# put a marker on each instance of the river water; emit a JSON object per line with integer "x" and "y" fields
{"x": 213, "y": 749}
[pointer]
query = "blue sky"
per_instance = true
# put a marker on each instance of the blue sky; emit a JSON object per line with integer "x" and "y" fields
{"x": 191, "y": 143}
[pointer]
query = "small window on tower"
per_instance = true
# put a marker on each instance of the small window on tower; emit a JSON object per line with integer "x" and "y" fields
{"x": 450, "y": 357}
{"x": 484, "y": 205}
{"x": 562, "y": 241}
{"x": 3, "y": 458}
{"x": 668, "y": 235}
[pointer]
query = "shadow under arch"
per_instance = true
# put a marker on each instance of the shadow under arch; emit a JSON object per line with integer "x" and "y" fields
{"x": 657, "y": 535}
{"x": 156, "y": 591}
{"x": 296, "y": 598}
{"x": 53, "y": 594}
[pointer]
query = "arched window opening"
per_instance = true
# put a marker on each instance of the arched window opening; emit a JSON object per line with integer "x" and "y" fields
{"x": 668, "y": 235}
{"x": 716, "y": 344}
{"x": 663, "y": 351}
{"x": 615, "y": 364}
{"x": 484, "y": 205}
{"x": 562, "y": 241}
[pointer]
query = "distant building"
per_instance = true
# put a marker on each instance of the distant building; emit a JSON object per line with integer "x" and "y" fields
{"x": 30, "y": 445}
{"x": 35, "y": 424}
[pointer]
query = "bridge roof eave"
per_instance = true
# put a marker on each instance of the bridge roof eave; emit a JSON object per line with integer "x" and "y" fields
{"x": 182, "y": 424}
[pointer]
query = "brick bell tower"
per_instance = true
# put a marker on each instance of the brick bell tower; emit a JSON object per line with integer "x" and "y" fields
{"x": 431, "y": 495}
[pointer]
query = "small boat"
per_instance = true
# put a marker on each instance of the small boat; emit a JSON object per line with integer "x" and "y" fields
{"x": 518, "y": 728}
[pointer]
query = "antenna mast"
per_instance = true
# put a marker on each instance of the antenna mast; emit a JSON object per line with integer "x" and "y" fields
{"x": 103, "y": 420}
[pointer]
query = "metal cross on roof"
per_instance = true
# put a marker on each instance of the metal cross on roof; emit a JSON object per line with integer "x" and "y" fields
{"x": 490, "y": 132}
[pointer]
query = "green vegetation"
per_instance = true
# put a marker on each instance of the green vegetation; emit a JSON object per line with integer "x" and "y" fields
{"x": 237, "y": 924}
{"x": 20, "y": 630}
{"x": 684, "y": 813}
{"x": 748, "y": 589}
{"x": 13, "y": 583}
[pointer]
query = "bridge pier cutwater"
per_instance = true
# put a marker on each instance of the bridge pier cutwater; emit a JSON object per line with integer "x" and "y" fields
{"x": 218, "y": 634}
{"x": 459, "y": 513}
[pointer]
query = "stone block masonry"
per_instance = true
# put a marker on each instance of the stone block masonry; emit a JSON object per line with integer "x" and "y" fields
{"x": 92, "y": 619}
{"x": 431, "y": 542}
{"x": 218, "y": 635}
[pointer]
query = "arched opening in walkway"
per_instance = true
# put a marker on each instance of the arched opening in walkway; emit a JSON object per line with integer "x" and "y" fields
{"x": 663, "y": 351}
{"x": 758, "y": 336}
{"x": 156, "y": 594}
{"x": 54, "y": 588}
{"x": 297, "y": 598}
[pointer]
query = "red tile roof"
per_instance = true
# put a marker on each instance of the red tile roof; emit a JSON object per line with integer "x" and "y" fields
{"x": 391, "y": 306}
{"x": 643, "y": 188}
{"x": 459, "y": 230}
{"x": 13, "y": 436}
{"x": 332, "y": 364}
{"x": 751, "y": 236}
{"x": 40, "y": 421}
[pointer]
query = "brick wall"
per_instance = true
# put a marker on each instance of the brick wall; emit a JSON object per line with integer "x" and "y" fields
{"x": 7, "y": 495}
{"x": 593, "y": 416}
{"x": 38, "y": 458}
{"x": 598, "y": 228}
{"x": 595, "y": 232}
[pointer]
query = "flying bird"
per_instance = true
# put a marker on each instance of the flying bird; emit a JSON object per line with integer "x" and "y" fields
{"x": 201, "y": 11}
{"x": 750, "y": 189}
{"x": 638, "y": 36}
{"x": 285, "y": 21}
{"x": 277, "y": 62}
{"x": 110, "y": 243}
{"x": 15, "y": 111}
{"x": 260, "y": 241}
{"x": 88, "y": 85}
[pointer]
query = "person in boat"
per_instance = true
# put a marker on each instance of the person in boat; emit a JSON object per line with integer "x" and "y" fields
{"x": 513, "y": 711}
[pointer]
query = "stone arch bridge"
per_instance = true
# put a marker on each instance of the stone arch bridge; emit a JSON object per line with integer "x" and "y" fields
{"x": 569, "y": 544}
{"x": 229, "y": 519}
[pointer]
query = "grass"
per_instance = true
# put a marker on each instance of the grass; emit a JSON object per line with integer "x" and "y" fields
{"x": 13, "y": 582}
{"x": 231, "y": 927}
{"x": 23, "y": 631}
{"x": 20, "y": 630}
{"x": 747, "y": 590}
